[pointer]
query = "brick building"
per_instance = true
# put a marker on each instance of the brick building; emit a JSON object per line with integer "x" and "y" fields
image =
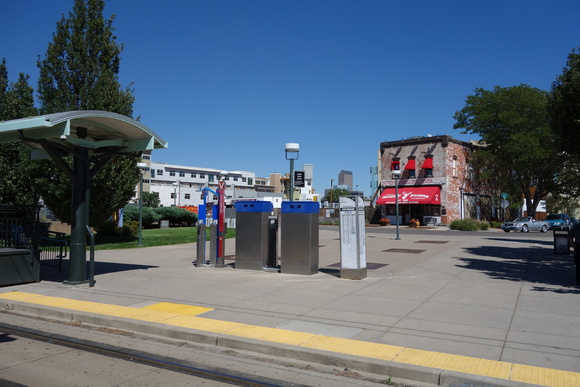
{"x": 435, "y": 183}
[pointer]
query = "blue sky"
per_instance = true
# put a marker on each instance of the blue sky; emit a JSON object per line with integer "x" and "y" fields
{"x": 228, "y": 82}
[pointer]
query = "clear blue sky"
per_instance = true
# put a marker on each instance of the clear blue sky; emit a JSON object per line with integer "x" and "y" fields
{"x": 228, "y": 82}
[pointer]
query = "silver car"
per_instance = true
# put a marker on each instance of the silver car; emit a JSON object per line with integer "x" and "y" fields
{"x": 525, "y": 224}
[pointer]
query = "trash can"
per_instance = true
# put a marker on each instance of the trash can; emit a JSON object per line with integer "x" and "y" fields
{"x": 252, "y": 234}
{"x": 299, "y": 238}
{"x": 561, "y": 244}
{"x": 18, "y": 266}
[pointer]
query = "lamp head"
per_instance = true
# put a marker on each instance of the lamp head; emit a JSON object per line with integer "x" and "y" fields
{"x": 292, "y": 147}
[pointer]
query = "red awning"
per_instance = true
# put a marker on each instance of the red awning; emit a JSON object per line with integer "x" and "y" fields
{"x": 410, "y": 165}
{"x": 428, "y": 163}
{"x": 411, "y": 195}
{"x": 395, "y": 165}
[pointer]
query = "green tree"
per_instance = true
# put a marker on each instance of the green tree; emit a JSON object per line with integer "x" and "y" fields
{"x": 16, "y": 101}
{"x": 151, "y": 199}
{"x": 80, "y": 72}
{"x": 335, "y": 194}
{"x": 519, "y": 144}
{"x": 564, "y": 106}
{"x": 564, "y": 113}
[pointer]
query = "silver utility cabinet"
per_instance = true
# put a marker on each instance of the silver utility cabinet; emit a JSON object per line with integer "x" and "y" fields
{"x": 299, "y": 238}
{"x": 252, "y": 234}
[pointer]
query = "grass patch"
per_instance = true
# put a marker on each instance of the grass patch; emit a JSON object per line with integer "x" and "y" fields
{"x": 153, "y": 237}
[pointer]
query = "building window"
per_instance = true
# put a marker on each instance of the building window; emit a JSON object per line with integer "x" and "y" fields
{"x": 153, "y": 173}
{"x": 187, "y": 196}
{"x": 146, "y": 157}
{"x": 211, "y": 178}
{"x": 227, "y": 178}
{"x": 250, "y": 181}
{"x": 235, "y": 179}
{"x": 160, "y": 172}
{"x": 201, "y": 176}
{"x": 194, "y": 175}
{"x": 181, "y": 174}
{"x": 171, "y": 173}
{"x": 173, "y": 195}
{"x": 454, "y": 167}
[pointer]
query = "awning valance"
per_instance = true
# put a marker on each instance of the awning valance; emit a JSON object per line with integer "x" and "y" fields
{"x": 428, "y": 163}
{"x": 410, "y": 165}
{"x": 395, "y": 165}
{"x": 411, "y": 195}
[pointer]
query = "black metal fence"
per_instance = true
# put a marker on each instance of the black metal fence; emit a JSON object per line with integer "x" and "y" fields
{"x": 24, "y": 232}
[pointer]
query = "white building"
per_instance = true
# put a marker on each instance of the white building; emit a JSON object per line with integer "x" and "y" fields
{"x": 179, "y": 185}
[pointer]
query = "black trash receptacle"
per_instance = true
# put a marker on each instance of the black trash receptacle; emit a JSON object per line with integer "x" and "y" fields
{"x": 299, "y": 238}
{"x": 18, "y": 266}
{"x": 561, "y": 243}
{"x": 252, "y": 234}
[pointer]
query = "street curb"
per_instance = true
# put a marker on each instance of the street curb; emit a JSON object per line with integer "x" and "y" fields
{"x": 384, "y": 368}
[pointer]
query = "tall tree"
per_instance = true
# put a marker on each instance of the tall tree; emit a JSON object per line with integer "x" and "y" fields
{"x": 16, "y": 101}
{"x": 564, "y": 106}
{"x": 513, "y": 123}
{"x": 80, "y": 72}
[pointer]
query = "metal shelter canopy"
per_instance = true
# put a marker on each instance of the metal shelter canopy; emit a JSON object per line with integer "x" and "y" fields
{"x": 92, "y": 137}
{"x": 106, "y": 131}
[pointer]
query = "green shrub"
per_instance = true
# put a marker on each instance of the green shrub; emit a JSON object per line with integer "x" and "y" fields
{"x": 496, "y": 224}
{"x": 177, "y": 216}
{"x": 469, "y": 225}
{"x": 131, "y": 213}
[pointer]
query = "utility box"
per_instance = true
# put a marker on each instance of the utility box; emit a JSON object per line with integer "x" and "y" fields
{"x": 252, "y": 234}
{"x": 299, "y": 238}
{"x": 18, "y": 266}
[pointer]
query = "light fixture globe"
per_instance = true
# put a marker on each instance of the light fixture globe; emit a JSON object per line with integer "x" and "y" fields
{"x": 292, "y": 147}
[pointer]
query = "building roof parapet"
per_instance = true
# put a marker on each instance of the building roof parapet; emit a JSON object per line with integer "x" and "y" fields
{"x": 443, "y": 139}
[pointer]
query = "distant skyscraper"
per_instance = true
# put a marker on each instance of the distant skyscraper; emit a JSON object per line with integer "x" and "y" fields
{"x": 345, "y": 178}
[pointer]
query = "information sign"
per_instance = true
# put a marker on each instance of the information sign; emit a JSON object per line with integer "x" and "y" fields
{"x": 352, "y": 237}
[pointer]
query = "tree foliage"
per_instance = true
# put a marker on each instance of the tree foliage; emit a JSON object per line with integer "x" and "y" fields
{"x": 151, "y": 199}
{"x": 16, "y": 101}
{"x": 564, "y": 106}
{"x": 519, "y": 143}
{"x": 335, "y": 194}
{"x": 80, "y": 72}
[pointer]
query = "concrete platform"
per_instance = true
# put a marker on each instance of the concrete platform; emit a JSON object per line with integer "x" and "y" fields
{"x": 438, "y": 307}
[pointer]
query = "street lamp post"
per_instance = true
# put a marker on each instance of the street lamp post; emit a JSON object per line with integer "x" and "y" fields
{"x": 396, "y": 175}
{"x": 142, "y": 167}
{"x": 292, "y": 149}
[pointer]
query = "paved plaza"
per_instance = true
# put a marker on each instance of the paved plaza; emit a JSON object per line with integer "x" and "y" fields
{"x": 439, "y": 299}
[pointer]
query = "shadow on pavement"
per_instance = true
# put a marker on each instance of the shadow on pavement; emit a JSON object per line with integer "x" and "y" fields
{"x": 532, "y": 265}
{"x": 543, "y": 242}
{"x": 52, "y": 274}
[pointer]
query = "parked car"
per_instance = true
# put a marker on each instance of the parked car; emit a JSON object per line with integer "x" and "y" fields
{"x": 559, "y": 221}
{"x": 574, "y": 221}
{"x": 525, "y": 224}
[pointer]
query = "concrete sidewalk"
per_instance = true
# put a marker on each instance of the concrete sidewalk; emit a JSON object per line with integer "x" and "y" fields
{"x": 450, "y": 295}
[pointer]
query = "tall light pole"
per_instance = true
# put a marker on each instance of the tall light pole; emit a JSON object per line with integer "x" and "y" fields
{"x": 292, "y": 153}
{"x": 396, "y": 175}
{"x": 174, "y": 194}
{"x": 142, "y": 167}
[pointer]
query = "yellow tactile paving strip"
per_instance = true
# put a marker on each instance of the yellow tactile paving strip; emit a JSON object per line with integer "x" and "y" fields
{"x": 187, "y": 317}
